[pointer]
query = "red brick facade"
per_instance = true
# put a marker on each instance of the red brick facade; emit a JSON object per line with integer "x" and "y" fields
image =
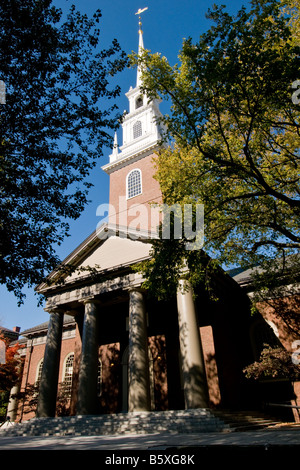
{"x": 113, "y": 370}
{"x": 138, "y": 213}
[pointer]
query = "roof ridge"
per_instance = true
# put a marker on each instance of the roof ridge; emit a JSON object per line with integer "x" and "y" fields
{"x": 44, "y": 325}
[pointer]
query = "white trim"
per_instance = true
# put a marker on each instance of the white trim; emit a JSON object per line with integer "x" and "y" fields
{"x": 70, "y": 376}
{"x": 127, "y": 176}
{"x": 127, "y": 158}
{"x": 65, "y": 363}
{"x": 40, "y": 363}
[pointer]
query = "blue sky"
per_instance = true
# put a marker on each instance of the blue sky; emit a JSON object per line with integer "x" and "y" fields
{"x": 165, "y": 24}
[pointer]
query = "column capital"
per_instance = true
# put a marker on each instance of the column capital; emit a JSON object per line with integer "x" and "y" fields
{"x": 54, "y": 309}
{"x": 89, "y": 300}
{"x": 184, "y": 285}
{"x": 137, "y": 288}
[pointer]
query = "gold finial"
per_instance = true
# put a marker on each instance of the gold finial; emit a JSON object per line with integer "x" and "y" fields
{"x": 141, "y": 10}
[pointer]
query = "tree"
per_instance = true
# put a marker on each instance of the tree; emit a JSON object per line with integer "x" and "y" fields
{"x": 9, "y": 372}
{"x": 291, "y": 9}
{"x": 58, "y": 115}
{"x": 28, "y": 399}
{"x": 235, "y": 138}
{"x": 273, "y": 363}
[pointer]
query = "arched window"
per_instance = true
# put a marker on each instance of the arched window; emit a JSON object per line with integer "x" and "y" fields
{"x": 139, "y": 102}
{"x": 134, "y": 183}
{"x": 262, "y": 334}
{"x": 137, "y": 129}
{"x": 68, "y": 372}
{"x": 39, "y": 373}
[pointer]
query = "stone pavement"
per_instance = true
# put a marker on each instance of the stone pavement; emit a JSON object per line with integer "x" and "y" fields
{"x": 283, "y": 438}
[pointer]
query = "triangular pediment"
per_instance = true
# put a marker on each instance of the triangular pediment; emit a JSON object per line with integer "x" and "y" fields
{"x": 104, "y": 252}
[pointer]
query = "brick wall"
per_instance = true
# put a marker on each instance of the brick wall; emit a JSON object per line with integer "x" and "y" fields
{"x": 139, "y": 217}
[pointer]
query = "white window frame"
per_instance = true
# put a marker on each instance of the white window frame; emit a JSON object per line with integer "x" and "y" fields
{"x": 127, "y": 187}
{"x": 65, "y": 369}
{"x": 38, "y": 372}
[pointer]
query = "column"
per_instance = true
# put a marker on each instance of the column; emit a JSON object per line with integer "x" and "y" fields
{"x": 138, "y": 362}
{"x": 88, "y": 373}
{"x": 12, "y": 408}
{"x": 49, "y": 379}
{"x": 193, "y": 369}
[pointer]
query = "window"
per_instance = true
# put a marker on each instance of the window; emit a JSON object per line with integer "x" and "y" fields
{"x": 134, "y": 183}
{"x": 139, "y": 102}
{"x": 39, "y": 373}
{"x": 137, "y": 129}
{"x": 68, "y": 373}
{"x": 262, "y": 334}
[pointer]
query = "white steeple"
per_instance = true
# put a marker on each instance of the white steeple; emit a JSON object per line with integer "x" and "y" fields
{"x": 115, "y": 147}
{"x": 141, "y": 131}
{"x": 141, "y": 47}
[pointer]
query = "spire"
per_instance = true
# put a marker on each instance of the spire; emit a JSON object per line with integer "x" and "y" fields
{"x": 139, "y": 71}
{"x": 141, "y": 129}
{"x": 141, "y": 45}
{"x": 115, "y": 147}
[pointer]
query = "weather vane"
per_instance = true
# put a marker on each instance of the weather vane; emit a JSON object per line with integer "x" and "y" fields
{"x": 141, "y": 10}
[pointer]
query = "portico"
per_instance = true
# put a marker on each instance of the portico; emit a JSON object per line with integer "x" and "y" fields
{"x": 131, "y": 324}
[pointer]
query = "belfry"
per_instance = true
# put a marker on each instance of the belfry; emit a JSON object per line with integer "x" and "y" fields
{"x": 131, "y": 170}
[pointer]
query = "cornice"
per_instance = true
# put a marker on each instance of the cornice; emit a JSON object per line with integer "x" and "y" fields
{"x": 131, "y": 158}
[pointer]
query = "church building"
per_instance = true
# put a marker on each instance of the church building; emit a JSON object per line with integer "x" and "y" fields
{"x": 118, "y": 349}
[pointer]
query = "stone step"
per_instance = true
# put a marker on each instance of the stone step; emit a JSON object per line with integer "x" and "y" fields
{"x": 174, "y": 421}
{"x": 246, "y": 420}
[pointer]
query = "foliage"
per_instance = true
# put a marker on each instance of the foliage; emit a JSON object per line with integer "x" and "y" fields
{"x": 63, "y": 399}
{"x": 291, "y": 8}
{"x": 28, "y": 399}
{"x": 58, "y": 116}
{"x": 273, "y": 363}
{"x": 235, "y": 138}
{"x": 10, "y": 371}
{"x": 4, "y": 397}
